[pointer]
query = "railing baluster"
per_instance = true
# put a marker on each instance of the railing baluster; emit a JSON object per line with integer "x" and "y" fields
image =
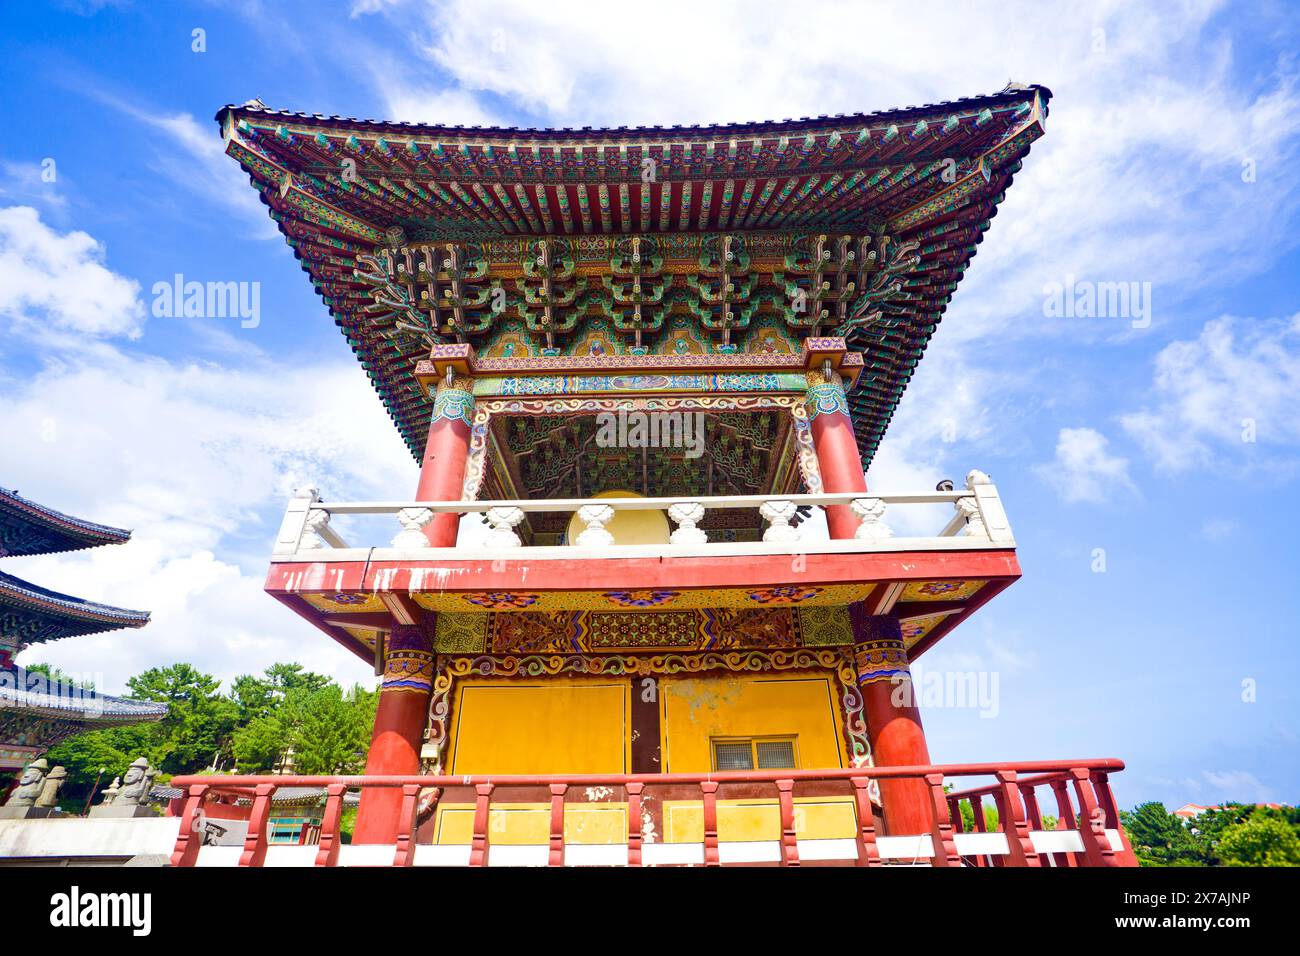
{"x": 255, "y": 841}
{"x": 979, "y": 824}
{"x": 870, "y": 512}
{"x": 710, "y": 790}
{"x": 687, "y": 514}
{"x": 478, "y": 854}
{"x": 1011, "y": 817}
{"x": 412, "y": 521}
{"x": 330, "y": 841}
{"x": 1065, "y": 816}
{"x": 635, "y": 833}
{"x": 789, "y": 838}
{"x": 868, "y": 852}
{"x": 556, "y": 856}
{"x": 503, "y": 520}
{"x": 595, "y": 517}
{"x": 404, "y": 852}
{"x": 1106, "y": 799}
{"x": 1092, "y": 822}
{"x": 778, "y": 513}
{"x": 945, "y": 849}
{"x": 190, "y": 837}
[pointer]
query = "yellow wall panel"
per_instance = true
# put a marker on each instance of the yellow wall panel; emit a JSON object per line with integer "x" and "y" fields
{"x": 546, "y": 727}
{"x": 815, "y": 818}
{"x": 696, "y": 710}
{"x": 529, "y": 824}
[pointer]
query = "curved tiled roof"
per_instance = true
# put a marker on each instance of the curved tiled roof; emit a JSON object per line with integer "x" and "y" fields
{"x": 927, "y": 178}
{"x": 708, "y": 130}
{"x": 30, "y": 528}
{"x": 36, "y": 614}
{"x": 66, "y": 702}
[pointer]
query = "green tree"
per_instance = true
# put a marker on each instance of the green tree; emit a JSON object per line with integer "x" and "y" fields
{"x": 1161, "y": 839}
{"x": 84, "y": 754}
{"x": 259, "y": 744}
{"x": 1263, "y": 840}
{"x": 329, "y": 731}
{"x": 199, "y": 721}
{"x": 263, "y": 696}
{"x": 54, "y": 674}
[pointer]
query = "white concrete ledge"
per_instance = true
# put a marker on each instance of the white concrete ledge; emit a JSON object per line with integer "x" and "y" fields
{"x": 83, "y": 837}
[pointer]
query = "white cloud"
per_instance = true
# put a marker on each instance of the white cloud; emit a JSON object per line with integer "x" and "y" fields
{"x": 200, "y": 460}
{"x": 447, "y": 106}
{"x": 32, "y": 184}
{"x": 1218, "y": 529}
{"x": 198, "y": 163}
{"x": 1224, "y": 394}
{"x": 57, "y": 282}
{"x": 1139, "y": 178}
{"x": 1083, "y": 469}
{"x": 1238, "y": 786}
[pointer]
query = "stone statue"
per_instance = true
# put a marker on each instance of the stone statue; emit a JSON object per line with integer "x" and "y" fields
{"x": 30, "y": 784}
{"x": 129, "y": 795}
{"x": 137, "y": 783}
{"x": 35, "y": 794}
{"x": 50, "y": 791}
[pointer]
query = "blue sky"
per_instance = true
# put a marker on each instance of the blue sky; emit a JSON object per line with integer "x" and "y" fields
{"x": 1170, "y": 159}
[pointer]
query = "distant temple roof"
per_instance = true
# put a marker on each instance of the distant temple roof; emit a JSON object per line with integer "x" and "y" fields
{"x": 77, "y": 705}
{"x": 903, "y": 195}
{"x": 32, "y": 614}
{"x": 29, "y": 528}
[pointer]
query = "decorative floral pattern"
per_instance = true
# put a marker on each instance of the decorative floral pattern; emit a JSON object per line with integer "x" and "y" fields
{"x": 641, "y": 598}
{"x": 784, "y": 594}
{"x": 500, "y": 599}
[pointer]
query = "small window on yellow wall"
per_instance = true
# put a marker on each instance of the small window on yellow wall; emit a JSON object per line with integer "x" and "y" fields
{"x": 754, "y": 753}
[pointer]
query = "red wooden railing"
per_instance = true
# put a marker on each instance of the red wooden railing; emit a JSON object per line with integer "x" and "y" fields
{"x": 1091, "y": 812}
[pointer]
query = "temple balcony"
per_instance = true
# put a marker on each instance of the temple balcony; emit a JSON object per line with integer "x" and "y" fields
{"x": 352, "y": 588}
{"x": 1027, "y": 814}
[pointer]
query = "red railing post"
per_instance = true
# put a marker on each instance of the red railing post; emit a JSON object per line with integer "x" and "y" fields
{"x": 954, "y": 813}
{"x": 330, "y": 838}
{"x": 868, "y": 852}
{"x": 190, "y": 837}
{"x": 556, "y": 856}
{"x": 1065, "y": 819}
{"x": 789, "y": 838}
{"x": 945, "y": 849}
{"x": 255, "y": 842}
{"x": 1106, "y": 798}
{"x": 404, "y": 854}
{"x": 710, "y": 790}
{"x": 1092, "y": 822}
{"x": 1020, "y": 848}
{"x": 478, "y": 854}
{"x": 978, "y": 822}
{"x": 634, "y": 825}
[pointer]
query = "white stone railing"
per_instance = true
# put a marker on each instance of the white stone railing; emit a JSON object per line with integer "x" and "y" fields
{"x": 979, "y": 522}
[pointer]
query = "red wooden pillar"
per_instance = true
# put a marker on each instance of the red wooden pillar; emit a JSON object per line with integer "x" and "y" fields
{"x": 442, "y": 471}
{"x": 837, "y": 451}
{"x": 399, "y": 728}
{"x": 893, "y": 721}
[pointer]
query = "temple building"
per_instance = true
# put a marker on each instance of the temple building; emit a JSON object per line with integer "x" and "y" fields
{"x": 631, "y": 362}
{"x": 36, "y": 713}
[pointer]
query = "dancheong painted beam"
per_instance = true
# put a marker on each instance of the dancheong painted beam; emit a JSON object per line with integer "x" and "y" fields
{"x": 647, "y": 240}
